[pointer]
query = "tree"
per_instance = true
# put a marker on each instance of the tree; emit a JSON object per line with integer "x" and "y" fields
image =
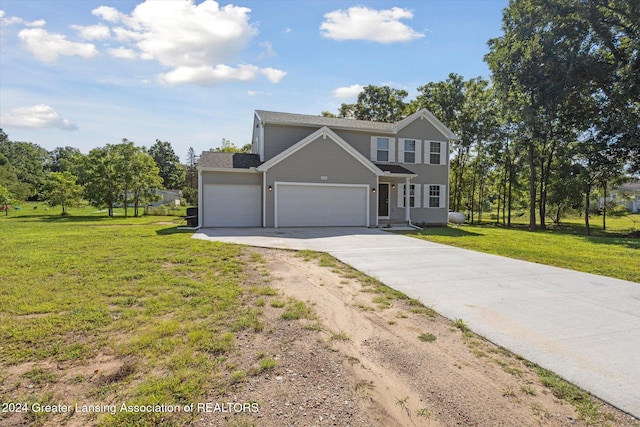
{"x": 61, "y": 189}
{"x": 377, "y": 104}
{"x": 121, "y": 173}
{"x": 170, "y": 169}
{"x": 190, "y": 189}
{"x": 28, "y": 161}
{"x": 5, "y": 199}
{"x": 102, "y": 187}
{"x": 229, "y": 147}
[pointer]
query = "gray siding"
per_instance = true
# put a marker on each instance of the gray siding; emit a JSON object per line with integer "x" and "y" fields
{"x": 320, "y": 158}
{"x": 240, "y": 178}
{"x": 421, "y": 129}
{"x": 278, "y": 138}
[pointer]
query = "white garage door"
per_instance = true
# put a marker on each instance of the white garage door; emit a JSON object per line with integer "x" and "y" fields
{"x": 232, "y": 205}
{"x": 305, "y": 205}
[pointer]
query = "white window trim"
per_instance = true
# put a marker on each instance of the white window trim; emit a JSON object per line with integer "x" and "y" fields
{"x": 443, "y": 196}
{"x": 416, "y": 195}
{"x": 418, "y": 150}
{"x": 374, "y": 149}
{"x": 443, "y": 153}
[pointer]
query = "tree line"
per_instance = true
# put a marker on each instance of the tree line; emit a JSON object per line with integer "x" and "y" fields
{"x": 115, "y": 174}
{"x": 558, "y": 119}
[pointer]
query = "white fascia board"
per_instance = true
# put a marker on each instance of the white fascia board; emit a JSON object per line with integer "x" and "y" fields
{"x": 323, "y": 132}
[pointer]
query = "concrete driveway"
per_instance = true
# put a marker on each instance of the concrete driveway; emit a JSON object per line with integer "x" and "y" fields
{"x": 584, "y": 327}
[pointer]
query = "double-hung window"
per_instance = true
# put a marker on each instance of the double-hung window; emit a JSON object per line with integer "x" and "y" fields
{"x": 435, "y": 196}
{"x": 414, "y": 195}
{"x": 435, "y": 150}
{"x": 409, "y": 150}
{"x": 382, "y": 153}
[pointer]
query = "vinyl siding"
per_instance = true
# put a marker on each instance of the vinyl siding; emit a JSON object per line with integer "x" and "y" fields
{"x": 421, "y": 129}
{"x": 320, "y": 158}
{"x": 278, "y": 138}
{"x": 246, "y": 178}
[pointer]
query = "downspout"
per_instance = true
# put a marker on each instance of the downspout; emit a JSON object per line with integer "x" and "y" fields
{"x": 407, "y": 201}
{"x": 264, "y": 199}
{"x": 200, "y": 196}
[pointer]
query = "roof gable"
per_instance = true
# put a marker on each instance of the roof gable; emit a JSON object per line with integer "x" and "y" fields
{"x": 292, "y": 119}
{"x": 425, "y": 114}
{"x": 324, "y": 132}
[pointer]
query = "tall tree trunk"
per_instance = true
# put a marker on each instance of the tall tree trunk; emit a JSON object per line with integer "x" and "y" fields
{"x": 510, "y": 204}
{"x": 532, "y": 187}
{"x": 586, "y": 209}
{"x": 604, "y": 209}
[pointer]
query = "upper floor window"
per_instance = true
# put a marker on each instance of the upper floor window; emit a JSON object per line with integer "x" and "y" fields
{"x": 435, "y": 152}
{"x": 382, "y": 153}
{"x": 409, "y": 150}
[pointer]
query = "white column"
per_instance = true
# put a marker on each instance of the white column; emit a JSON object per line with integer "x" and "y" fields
{"x": 407, "y": 200}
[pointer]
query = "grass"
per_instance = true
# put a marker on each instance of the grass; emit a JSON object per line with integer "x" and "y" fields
{"x": 427, "y": 337}
{"x": 605, "y": 254}
{"x": 163, "y": 307}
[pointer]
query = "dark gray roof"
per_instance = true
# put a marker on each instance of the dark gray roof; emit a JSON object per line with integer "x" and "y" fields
{"x": 385, "y": 167}
{"x": 212, "y": 159}
{"x": 332, "y": 122}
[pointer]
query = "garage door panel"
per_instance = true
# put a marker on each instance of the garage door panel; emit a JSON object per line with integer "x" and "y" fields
{"x": 321, "y": 205}
{"x": 229, "y": 205}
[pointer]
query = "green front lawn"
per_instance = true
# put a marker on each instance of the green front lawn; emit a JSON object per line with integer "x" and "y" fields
{"x": 117, "y": 311}
{"x": 613, "y": 256}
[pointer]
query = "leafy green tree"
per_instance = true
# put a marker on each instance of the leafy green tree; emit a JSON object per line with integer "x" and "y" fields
{"x": 5, "y": 199}
{"x": 28, "y": 161}
{"x": 61, "y": 189}
{"x": 145, "y": 181}
{"x": 229, "y": 147}
{"x": 190, "y": 189}
{"x": 102, "y": 187}
{"x": 171, "y": 170}
{"x": 377, "y": 104}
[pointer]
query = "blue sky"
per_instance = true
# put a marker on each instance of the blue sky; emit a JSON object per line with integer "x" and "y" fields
{"x": 85, "y": 73}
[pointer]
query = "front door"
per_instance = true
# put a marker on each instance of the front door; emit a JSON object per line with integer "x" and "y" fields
{"x": 383, "y": 200}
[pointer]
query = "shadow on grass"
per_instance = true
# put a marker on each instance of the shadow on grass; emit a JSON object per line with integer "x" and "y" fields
{"x": 60, "y": 218}
{"x": 172, "y": 230}
{"x": 447, "y": 231}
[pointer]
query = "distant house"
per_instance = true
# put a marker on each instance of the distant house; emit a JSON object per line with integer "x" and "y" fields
{"x": 168, "y": 197}
{"x": 627, "y": 195}
{"x": 307, "y": 171}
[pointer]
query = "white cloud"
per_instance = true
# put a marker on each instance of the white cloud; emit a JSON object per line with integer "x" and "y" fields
{"x": 257, "y": 93}
{"x": 16, "y": 20}
{"x": 268, "y": 51}
{"x": 206, "y": 75}
{"x": 363, "y": 23}
{"x": 93, "y": 32}
{"x": 109, "y": 14}
{"x": 274, "y": 76}
{"x": 348, "y": 91}
{"x": 123, "y": 52}
{"x": 37, "y": 117}
{"x": 197, "y": 42}
{"x": 182, "y": 34}
{"x": 47, "y": 47}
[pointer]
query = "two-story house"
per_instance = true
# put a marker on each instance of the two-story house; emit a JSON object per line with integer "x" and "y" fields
{"x": 320, "y": 171}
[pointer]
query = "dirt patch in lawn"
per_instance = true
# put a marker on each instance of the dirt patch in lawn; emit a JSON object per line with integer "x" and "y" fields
{"x": 367, "y": 360}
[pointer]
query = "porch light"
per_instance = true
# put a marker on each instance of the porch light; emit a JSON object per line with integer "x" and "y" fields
{"x": 373, "y": 190}
{"x": 270, "y": 188}
{"x": 393, "y": 186}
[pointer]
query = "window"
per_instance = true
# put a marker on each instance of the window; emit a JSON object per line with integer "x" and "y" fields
{"x": 383, "y": 150}
{"x": 409, "y": 150}
{"x": 414, "y": 195}
{"x": 434, "y": 152}
{"x": 434, "y": 196}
